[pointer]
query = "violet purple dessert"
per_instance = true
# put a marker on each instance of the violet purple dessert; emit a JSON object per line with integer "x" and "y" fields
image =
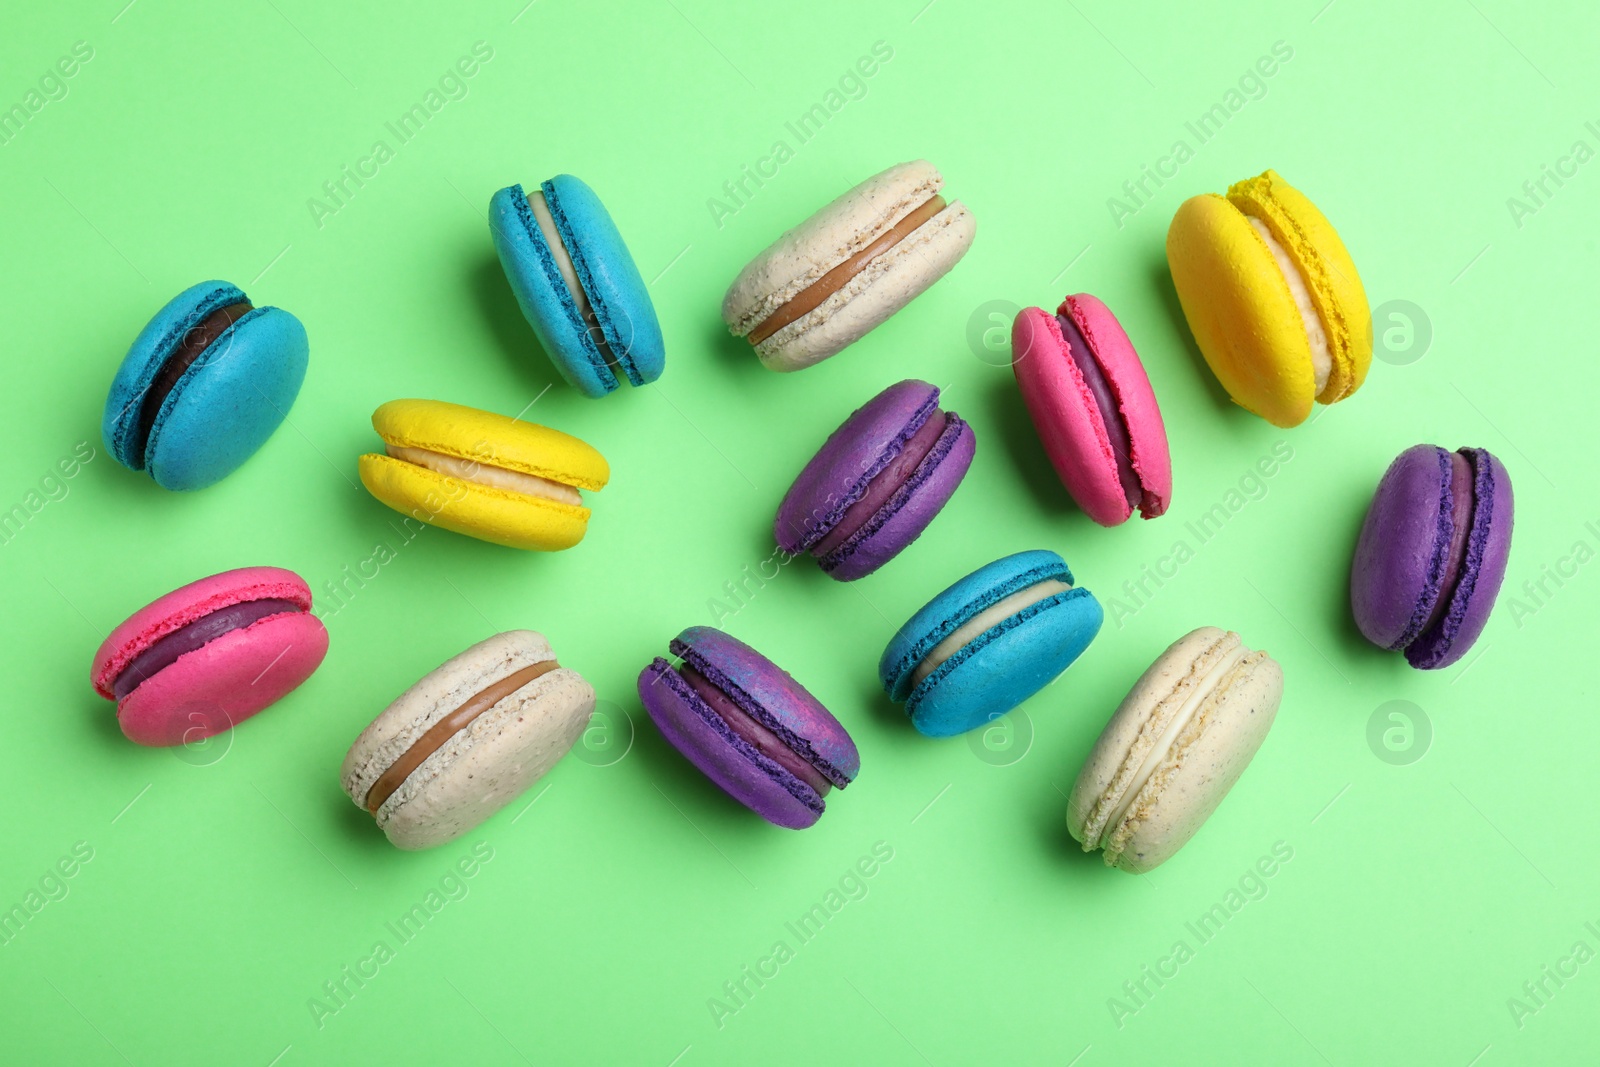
{"x": 1432, "y": 553}
{"x": 877, "y": 482}
{"x": 749, "y": 727}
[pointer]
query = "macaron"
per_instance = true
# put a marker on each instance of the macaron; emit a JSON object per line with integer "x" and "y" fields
{"x": 467, "y": 739}
{"x": 1432, "y": 553}
{"x": 488, "y": 476}
{"x": 1093, "y": 408}
{"x": 577, "y": 285}
{"x": 1174, "y": 747}
{"x": 824, "y": 284}
{"x": 989, "y": 642}
{"x": 1272, "y": 298}
{"x": 877, "y": 482}
{"x": 203, "y": 386}
{"x": 206, "y": 657}
{"x": 750, "y": 727}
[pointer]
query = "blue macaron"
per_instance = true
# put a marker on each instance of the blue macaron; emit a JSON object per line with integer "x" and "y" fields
{"x": 203, "y": 386}
{"x": 577, "y": 284}
{"x": 989, "y": 642}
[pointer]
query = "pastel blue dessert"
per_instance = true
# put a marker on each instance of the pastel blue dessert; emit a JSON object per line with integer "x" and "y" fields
{"x": 577, "y": 284}
{"x": 204, "y": 385}
{"x": 989, "y": 642}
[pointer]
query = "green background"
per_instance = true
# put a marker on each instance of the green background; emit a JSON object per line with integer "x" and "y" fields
{"x": 229, "y": 882}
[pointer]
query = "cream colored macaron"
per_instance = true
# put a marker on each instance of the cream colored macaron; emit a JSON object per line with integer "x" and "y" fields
{"x": 1174, "y": 748}
{"x": 467, "y": 739}
{"x": 821, "y": 286}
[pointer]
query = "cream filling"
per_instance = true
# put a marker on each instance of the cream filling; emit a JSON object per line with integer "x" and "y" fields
{"x": 569, "y": 273}
{"x": 989, "y": 617}
{"x": 1163, "y": 746}
{"x": 1316, "y": 336}
{"x": 471, "y": 470}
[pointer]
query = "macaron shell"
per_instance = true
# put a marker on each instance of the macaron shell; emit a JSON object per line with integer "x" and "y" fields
{"x": 1066, "y": 417}
{"x": 862, "y": 446}
{"x": 1116, "y": 742}
{"x": 963, "y": 599}
{"x": 772, "y": 694}
{"x": 885, "y": 285}
{"x": 1136, "y": 400}
{"x": 225, "y": 681}
{"x": 490, "y": 763}
{"x": 175, "y": 610}
{"x": 499, "y": 440}
{"x": 1483, "y": 570}
{"x": 1240, "y": 310}
{"x": 229, "y": 401}
{"x": 1335, "y": 285}
{"x": 543, "y": 296}
{"x": 1005, "y": 666}
{"x": 483, "y": 767}
{"x": 1181, "y": 796}
{"x": 145, "y": 357}
{"x": 500, "y": 516}
{"x": 732, "y": 765}
{"x": 1395, "y": 575}
{"x": 910, "y": 511}
{"x": 806, "y": 252}
{"x": 610, "y": 278}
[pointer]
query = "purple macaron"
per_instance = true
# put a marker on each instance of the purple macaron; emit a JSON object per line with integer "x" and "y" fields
{"x": 1432, "y": 553}
{"x": 877, "y": 482}
{"x": 749, "y": 727}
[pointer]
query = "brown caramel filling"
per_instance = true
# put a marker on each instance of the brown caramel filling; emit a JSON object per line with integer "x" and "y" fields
{"x": 190, "y": 347}
{"x": 447, "y": 727}
{"x": 811, "y": 297}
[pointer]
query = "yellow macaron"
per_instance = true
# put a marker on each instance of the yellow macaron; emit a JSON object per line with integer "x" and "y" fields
{"x": 1272, "y": 297}
{"x": 488, "y": 476}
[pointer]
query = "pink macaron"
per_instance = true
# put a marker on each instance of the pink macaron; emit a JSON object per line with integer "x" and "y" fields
{"x": 207, "y": 656}
{"x": 1093, "y": 407}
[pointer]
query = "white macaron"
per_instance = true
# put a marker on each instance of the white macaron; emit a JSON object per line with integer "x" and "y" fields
{"x": 467, "y": 739}
{"x": 822, "y": 285}
{"x": 1173, "y": 749}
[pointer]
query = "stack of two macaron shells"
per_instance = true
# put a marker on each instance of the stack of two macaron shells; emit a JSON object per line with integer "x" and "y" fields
{"x": 205, "y": 657}
{"x": 467, "y": 739}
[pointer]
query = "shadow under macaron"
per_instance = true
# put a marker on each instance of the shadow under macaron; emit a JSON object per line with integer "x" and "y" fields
{"x": 1161, "y": 285}
{"x": 514, "y": 337}
{"x": 1009, "y": 421}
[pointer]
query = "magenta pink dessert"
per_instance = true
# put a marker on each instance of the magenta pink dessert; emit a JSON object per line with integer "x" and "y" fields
{"x": 877, "y": 482}
{"x": 1093, "y": 407}
{"x": 207, "y": 656}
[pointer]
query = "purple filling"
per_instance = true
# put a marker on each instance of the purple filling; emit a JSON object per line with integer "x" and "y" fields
{"x": 1460, "y": 517}
{"x": 202, "y": 631}
{"x": 884, "y": 484}
{"x": 1117, "y": 430}
{"x": 765, "y": 741}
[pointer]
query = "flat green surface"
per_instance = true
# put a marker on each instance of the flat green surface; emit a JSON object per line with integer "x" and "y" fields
{"x": 229, "y": 884}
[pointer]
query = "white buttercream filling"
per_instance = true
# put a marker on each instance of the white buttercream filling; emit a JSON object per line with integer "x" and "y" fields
{"x": 1316, "y": 336}
{"x": 472, "y": 470}
{"x": 1163, "y": 747}
{"x": 569, "y": 273}
{"x": 989, "y": 617}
